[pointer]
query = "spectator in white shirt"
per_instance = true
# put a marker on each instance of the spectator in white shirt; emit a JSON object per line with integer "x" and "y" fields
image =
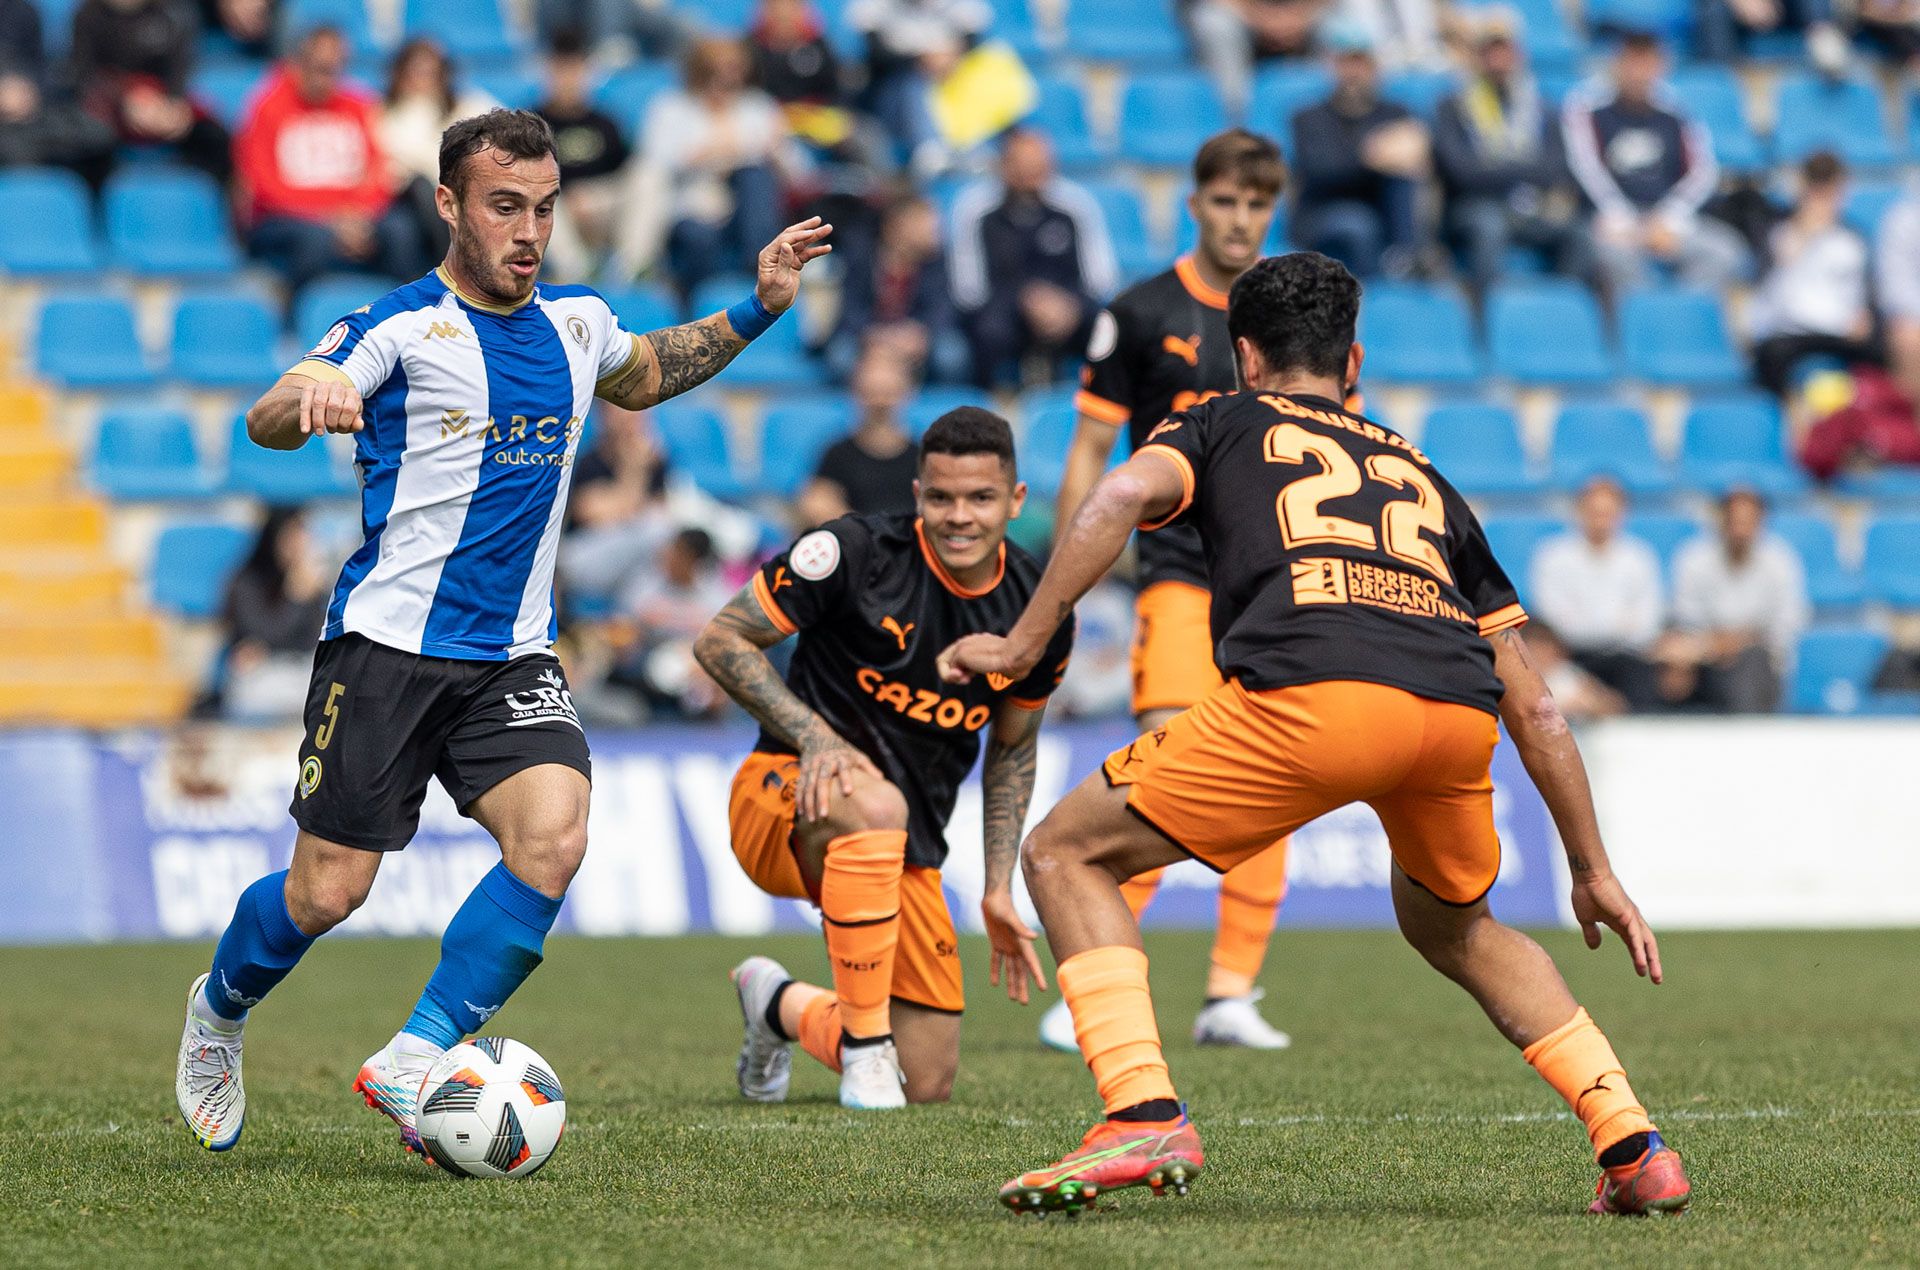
{"x": 1813, "y": 300}
{"x": 1739, "y": 605}
{"x": 1897, "y": 278}
{"x": 1600, "y": 589}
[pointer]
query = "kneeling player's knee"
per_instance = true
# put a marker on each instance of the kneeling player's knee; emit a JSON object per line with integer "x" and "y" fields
{"x": 873, "y": 804}
{"x": 930, "y": 1086}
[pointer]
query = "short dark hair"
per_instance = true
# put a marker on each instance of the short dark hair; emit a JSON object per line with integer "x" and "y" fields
{"x": 521, "y": 134}
{"x": 697, "y": 543}
{"x": 970, "y": 430}
{"x": 568, "y": 42}
{"x": 1299, "y": 310}
{"x": 1823, "y": 167}
{"x": 1249, "y": 158}
{"x": 1641, "y": 40}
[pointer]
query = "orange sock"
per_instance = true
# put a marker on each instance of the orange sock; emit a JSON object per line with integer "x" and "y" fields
{"x": 860, "y": 902}
{"x": 1106, "y": 988}
{"x": 1576, "y": 1060}
{"x": 819, "y": 1031}
{"x": 1139, "y": 891}
{"x": 1250, "y": 896}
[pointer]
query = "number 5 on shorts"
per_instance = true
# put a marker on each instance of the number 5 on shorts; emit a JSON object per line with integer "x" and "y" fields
{"x": 323, "y": 734}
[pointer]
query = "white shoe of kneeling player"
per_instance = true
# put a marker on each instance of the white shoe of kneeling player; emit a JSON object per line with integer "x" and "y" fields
{"x": 1237, "y": 1021}
{"x": 766, "y": 1058}
{"x": 206, "y": 1079}
{"x": 390, "y": 1082}
{"x": 870, "y": 1078}
{"x": 1056, "y": 1028}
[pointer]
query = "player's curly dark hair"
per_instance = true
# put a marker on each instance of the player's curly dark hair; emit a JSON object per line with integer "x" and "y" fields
{"x": 1299, "y": 310}
{"x": 970, "y": 430}
{"x": 521, "y": 134}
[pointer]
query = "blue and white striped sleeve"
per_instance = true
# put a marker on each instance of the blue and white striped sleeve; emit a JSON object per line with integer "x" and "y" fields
{"x": 361, "y": 348}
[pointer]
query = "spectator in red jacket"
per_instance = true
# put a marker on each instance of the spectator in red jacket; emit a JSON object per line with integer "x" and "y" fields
{"x": 315, "y": 185}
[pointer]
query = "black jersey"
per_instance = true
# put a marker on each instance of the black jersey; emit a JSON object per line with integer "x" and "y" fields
{"x": 874, "y": 607}
{"x": 1335, "y": 550}
{"x": 1161, "y": 346}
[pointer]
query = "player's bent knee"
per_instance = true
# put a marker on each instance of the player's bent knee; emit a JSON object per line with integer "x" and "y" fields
{"x": 930, "y": 1086}
{"x": 318, "y": 904}
{"x": 546, "y": 856}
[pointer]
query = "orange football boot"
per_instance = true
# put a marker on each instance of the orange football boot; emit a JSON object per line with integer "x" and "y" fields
{"x": 1654, "y": 1183}
{"x": 1114, "y": 1154}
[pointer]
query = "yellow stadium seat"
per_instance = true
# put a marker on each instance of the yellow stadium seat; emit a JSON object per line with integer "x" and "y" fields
{"x": 90, "y": 694}
{"x": 105, "y": 636}
{"x": 24, "y": 408}
{"x": 53, "y": 522}
{"x": 31, "y": 461}
{"x": 35, "y": 583}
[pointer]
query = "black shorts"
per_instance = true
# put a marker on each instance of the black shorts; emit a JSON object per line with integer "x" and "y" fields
{"x": 380, "y": 722}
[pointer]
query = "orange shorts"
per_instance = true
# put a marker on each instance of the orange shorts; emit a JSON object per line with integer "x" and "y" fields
{"x": 926, "y": 967}
{"x": 1226, "y": 778}
{"x": 1172, "y": 647}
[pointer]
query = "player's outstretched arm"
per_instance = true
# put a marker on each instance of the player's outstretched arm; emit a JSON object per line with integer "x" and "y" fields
{"x": 675, "y": 359}
{"x": 1087, "y": 457}
{"x": 1552, "y": 758}
{"x": 732, "y": 649}
{"x": 298, "y": 407}
{"x": 1144, "y": 488}
{"x": 1013, "y": 749}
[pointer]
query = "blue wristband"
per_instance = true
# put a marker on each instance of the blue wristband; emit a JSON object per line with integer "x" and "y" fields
{"x": 750, "y": 318}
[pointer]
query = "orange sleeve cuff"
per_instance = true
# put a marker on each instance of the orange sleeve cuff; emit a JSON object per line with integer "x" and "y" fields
{"x": 781, "y": 621}
{"x": 1095, "y": 406}
{"x": 1185, "y": 468}
{"x": 1503, "y": 619}
{"x": 1023, "y": 703}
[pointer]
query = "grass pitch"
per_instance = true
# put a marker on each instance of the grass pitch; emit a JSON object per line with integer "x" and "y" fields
{"x": 1399, "y": 1130}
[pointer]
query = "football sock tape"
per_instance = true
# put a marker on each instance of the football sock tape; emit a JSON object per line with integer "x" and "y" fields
{"x": 1106, "y": 988}
{"x": 860, "y": 905}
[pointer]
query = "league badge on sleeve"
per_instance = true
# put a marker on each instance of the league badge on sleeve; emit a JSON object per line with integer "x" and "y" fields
{"x": 336, "y": 336}
{"x": 816, "y": 555}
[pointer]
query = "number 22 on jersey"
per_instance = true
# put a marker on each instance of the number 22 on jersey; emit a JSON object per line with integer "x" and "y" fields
{"x": 1303, "y": 522}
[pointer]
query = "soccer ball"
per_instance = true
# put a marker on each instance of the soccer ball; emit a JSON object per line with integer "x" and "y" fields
{"x": 490, "y": 1108}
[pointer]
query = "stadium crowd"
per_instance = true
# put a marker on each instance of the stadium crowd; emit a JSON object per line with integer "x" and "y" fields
{"x": 1451, "y": 155}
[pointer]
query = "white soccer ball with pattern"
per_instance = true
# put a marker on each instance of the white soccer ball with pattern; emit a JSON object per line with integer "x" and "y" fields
{"x": 491, "y": 1108}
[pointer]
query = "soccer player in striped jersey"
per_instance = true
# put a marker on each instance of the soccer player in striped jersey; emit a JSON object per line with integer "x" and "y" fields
{"x": 464, "y": 392}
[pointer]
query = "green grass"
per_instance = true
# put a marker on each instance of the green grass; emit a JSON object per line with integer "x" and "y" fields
{"x": 1399, "y": 1130}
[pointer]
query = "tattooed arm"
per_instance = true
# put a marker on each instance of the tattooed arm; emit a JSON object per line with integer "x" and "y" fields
{"x": 1546, "y": 746}
{"x": 668, "y": 362}
{"x": 732, "y": 649}
{"x": 1007, "y": 787}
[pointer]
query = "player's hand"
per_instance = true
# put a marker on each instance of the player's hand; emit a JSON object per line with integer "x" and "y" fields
{"x": 823, "y": 767}
{"x": 1602, "y": 900}
{"x": 982, "y": 655}
{"x": 327, "y": 405}
{"x": 782, "y": 259}
{"x": 1012, "y": 946}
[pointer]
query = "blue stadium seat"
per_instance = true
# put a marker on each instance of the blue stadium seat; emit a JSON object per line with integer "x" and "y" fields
{"x": 1420, "y": 335}
{"x": 1595, "y": 438}
{"x": 1737, "y": 441}
{"x": 170, "y": 222}
{"x": 1477, "y": 447}
{"x": 1846, "y": 116}
{"x": 349, "y": 15}
{"x": 1515, "y": 538}
{"x": 777, "y": 359}
{"x": 1830, "y": 584}
{"x": 1062, "y": 115}
{"x": 1679, "y": 337}
{"x": 1892, "y": 563}
{"x": 513, "y": 87}
{"x": 793, "y": 436}
{"x": 49, "y": 224}
{"x": 148, "y": 452}
{"x": 1547, "y": 332}
{"x": 1667, "y": 18}
{"x": 1887, "y": 487}
{"x": 1552, "y": 45}
{"x": 1713, "y": 96}
{"x": 1013, "y": 22}
{"x": 56, "y": 23}
{"x": 1165, "y": 115}
{"x": 89, "y": 342}
{"x": 326, "y": 300}
{"x": 1283, "y": 90}
{"x": 1043, "y": 448}
{"x": 1868, "y": 202}
{"x": 471, "y": 30}
{"x": 1420, "y": 91}
{"x": 192, "y": 562}
{"x": 1034, "y": 400}
{"x": 696, "y": 443}
{"x": 226, "y": 90}
{"x": 1665, "y": 532}
{"x": 625, "y": 94}
{"x": 1139, "y": 253}
{"x": 933, "y": 401}
{"x": 316, "y": 470}
{"x": 225, "y": 341}
{"x": 1834, "y": 668}
{"x": 643, "y": 309}
{"x": 1138, "y": 32}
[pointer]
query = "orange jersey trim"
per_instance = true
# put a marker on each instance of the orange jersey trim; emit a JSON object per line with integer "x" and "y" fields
{"x": 770, "y": 607}
{"x": 1189, "y": 275}
{"x": 1185, "y": 468}
{"x": 1094, "y": 406}
{"x": 1026, "y": 703}
{"x": 947, "y": 580}
{"x": 1503, "y": 619}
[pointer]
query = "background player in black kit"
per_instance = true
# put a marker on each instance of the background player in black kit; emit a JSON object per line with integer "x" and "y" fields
{"x": 846, "y": 797}
{"x": 1162, "y": 346}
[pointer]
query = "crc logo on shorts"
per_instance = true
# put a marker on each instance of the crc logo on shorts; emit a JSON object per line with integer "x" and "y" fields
{"x": 816, "y": 555}
{"x": 549, "y": 703}
{"x": 309, "y": 776}
{"x": 336, "y": 336}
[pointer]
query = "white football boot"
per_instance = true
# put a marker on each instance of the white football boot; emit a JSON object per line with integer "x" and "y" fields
{"x": 870, "y": 1078}
{"x": 766, "y": 1058}
{"x": 206, "y": 1080}
{"x": 390, "y": 1082}
{"x": 1237, "y": 1021}
{"x": 1056, "y": 1028}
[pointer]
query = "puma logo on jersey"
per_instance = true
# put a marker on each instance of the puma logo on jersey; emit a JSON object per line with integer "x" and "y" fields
{"x": 899, "y": 633}
{"x": 1187, "y": 351}
{"x": 1165, "y": 425}
{"x": 999, "y": 682}
{"x": 445, "y": 331}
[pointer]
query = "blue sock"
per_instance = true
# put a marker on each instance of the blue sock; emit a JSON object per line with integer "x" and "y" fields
{"x": 260, "y": 945}
{"x": 491, "y": 946}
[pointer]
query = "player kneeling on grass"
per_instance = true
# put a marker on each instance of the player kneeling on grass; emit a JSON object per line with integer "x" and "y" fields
{"x": 846, "y": 796}
{"x": 1369, "y": 641}
{"x": 465, "y": 390}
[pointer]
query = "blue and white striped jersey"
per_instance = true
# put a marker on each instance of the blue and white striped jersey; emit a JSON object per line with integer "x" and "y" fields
{"x": 472, "y": 416}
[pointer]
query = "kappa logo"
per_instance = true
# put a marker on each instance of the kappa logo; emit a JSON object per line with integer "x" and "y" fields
{"x": 482, "y": 1012}
{"x": 1165, "y": 426}
{"x": 1187, "y": 350}
{"x": 550, "y": 703}
{"x": 236, "y": 996}
{"x": 899, "y": 633}
{"x": 444, "y": 331}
